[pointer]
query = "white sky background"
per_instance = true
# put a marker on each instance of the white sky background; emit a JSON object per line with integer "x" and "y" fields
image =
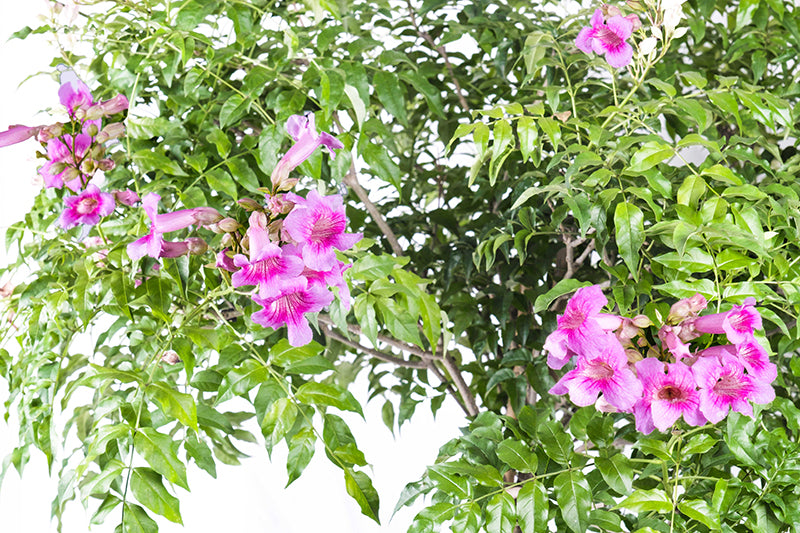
{"x": 247, "y": 498}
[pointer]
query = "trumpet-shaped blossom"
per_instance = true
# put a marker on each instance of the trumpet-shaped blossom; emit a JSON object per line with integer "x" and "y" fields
{"x": 332, "y": 278}
{"x": 301, "y": 128}
{"x": 608, "y": 39}
{"x": 724, "y": 385}
{"x": 666, "y": 397}
{"x": 671, "y": 341}
{"x": 318, "y": 224}
{"x": 296, "y": 298}
{"x": 751, "y": 355}
{"x": 606, "y": 371}
{"x": 579, "y": 331}
{"x": 65, "y": 155}
{"x": 268, "y": 267}
{"x": 738, "y": 323}
{"x": 75, "y": 94}
{"x": 86, "y": 208}
{"x": 17, "y": 134}
{"x": 152, "y": 243}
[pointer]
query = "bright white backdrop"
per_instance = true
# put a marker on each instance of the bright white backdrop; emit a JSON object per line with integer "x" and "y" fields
{"x": 247, "y": 498}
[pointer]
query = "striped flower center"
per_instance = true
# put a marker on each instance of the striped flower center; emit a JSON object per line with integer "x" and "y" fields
{"x": 608, "y": 37}
{"x": 598, "y": 370}
{"x": 86, "y": 206}
{"x": 670, "y": 394}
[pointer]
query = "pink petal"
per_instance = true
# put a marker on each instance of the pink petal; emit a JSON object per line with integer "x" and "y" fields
{"x": 620, "y": 55}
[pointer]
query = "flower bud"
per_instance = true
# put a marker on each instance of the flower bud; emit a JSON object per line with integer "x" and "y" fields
{"x": 94, "y": 113}
{"x": 88, "y": 166}
{"x": 71, "y": 173}
{"x": 126, "y": 197}
{"x": 206, "y": 215}
{"x": 57, "y": 168}
{"x": 637, "y": 24}
{"x": 115, "y": 130}
{"x": 641, "y": 321}
{"x": 278, "y": 204}
{"x": 635, "y": 5}
{"x": 106, "y": 164}
{"x": 170, "y": 357}
{"x": 225, "y": 262}
{"x": 227, "y": 240}
{"x": 92, "y": 130}
{"x": 248, "y": 204}
{"x": 80, "y": 114}
{"x": 115, "y": 105}
{"x": 610, "y": 11}
{"x": 228, "y": 225}
{"x": 50, "y": 132}
{"x": 197, "y": 246}
{"x": 97, "y": 151}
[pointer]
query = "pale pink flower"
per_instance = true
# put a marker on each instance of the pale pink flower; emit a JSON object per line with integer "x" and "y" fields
{"x": 605, "y": 370}
{"x": 671, "y": 341}
{"x": 738, "y": 323}
{"x": 666, "y": 397}
{"x": 296, "y": 298}
{"x": 268, "y": 267}
{"x": 579, "y": 331}
{"x": 86, "y": 208}
{"x": 301, "y": 128}
{"x": 75, "y": 94}
{"x": 724, "y": 385}
{"x": 318, "y": 224}
{"x": 607, "y": 39}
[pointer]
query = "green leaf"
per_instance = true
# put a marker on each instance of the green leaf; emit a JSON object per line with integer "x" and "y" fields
{"x": 616, "y": 472}
{"x": 528, "y": 135}
{"x": 565, "y": 286}
{"x": 503, "y": 374}
{"x": 467, "y": 519}
{"x": 243, "y": 174}
{"x": 201, "y": 453}
{"x": 136, "y": 520}
{"x": 691, "y": 190}
{"x": 359, "y": 486}
{"x": 448, "y": 481}
{"x": 647, "y": 500}
{"x": 232, "y": 110}
{"x": 702, "y": 512}
{"x": 159, "y": 452}
{"x": 175, "y": 404}
{"x": 649, "y": 155}
{"x": 328, "y": 395}
{"x": 390, "y": 94}
{"x": 284, "y": 354}
{"x": 500, "y": 513}
{"x": 382, "y": 164}
{"x": 220, "y": 139}
{"x": 279, "y": 419}
{"x": 629, "y": 224}
{"x": 517, "y": 455}
{"x": 219, "y": 180}
{"x": 301, "y": 450}
{"x": 149, "y": 161}
{"x": 556, "y": 443}
{"x": 574, "y": 500}
{"x": 150, "y": 491}
{"x": 240, "y": 381}
{"x": 723, "y": 174}
{"x": 699, "y": 444}
{"x": 532, "y": 507}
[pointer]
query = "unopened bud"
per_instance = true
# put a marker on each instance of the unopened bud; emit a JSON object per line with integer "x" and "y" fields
{"x": 248, "y": 204}
{"x": 610, "y": 11}
{"x": 288, "y": 184}
{"x": 641, "y": 321}
{"x": 94, "y": 113}
{"x": 206, "y": 215}
{"x": 92, "y": 130}
{"x": 97, "y": 151}
{"x": 633, "y": 355}
{"x": 71, "y": 173}
{"x": 50, "y": 132}
{"x": 227, "y": 240}
{"x": 276, "y": 231}
{"x": 115, "y": 105}
{"x": 228, "y": 225}
{"x": 197, "y": 246}
{"x": 80, "y": 114}
{"x": 635, "y": 5}
{"x": 115, "y": 130}
{"x": 88, "y": 166}
{"x": 126, "y": 197}
{"x": 57, "y": 168}
{"x": 106, "y": 164}
{"x": 637, "y": 24}
{"x": 278, "y": 204}
{"x": 170, "y": 357}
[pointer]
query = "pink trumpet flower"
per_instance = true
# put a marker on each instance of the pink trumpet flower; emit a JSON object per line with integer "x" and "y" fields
{"x": 751, "y": 355}
{"x": 17, "y": 134}
{"x": 666, "y": 397}
{"x": 605, "y": 370}
{"x": 579, "y": 331}
{"x": 318, "y": 224}
{"x": 724, "y": 385}
{"x": 86, "y": 208}
{"x": 268, "y": 267}
{"x": 153, "y": 243}
{"x": 301, "y": 128}
{"x": 738, "y": 323}
{"x": 65, "y": 155}
{"x": 74, "y": 94}
{"x": 296, "y": 298}
{"x": 607, "y": 39}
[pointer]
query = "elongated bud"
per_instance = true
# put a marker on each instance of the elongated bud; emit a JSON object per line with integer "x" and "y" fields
{"x": 92, "y": 130}
{"x": 115, "y": 105}
{"x": 635, "y": 5}
{"x": 228, "y": 225}
{"x": 106, "y": 164}
{"x": 206, "y": 215}
{"x": 197, "y": 246}
{"x": 57, "y": 168}
{"x": 637, "y": 24}
{"x": 170, "y": 357}
{"x": 94, "y": 113}
{"x": 50, "y": 132}
{"x": 98, "y": 151}
{"x": 227, "y": 240}
{"x": 80, "y": 114}
{"x": 126, "y": 197}
{"x": 248, "y": 204}
{"x": 115, "y": 130}
{"x": 71, "y": 173}
{"x": 610, "y": 11}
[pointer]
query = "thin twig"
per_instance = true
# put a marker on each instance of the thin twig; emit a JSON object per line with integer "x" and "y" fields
{"x": 461, "y": 385}
{"x": 410, "y": 348}
{"x": 442, "y": 52}
{"x": 399, "y": 361}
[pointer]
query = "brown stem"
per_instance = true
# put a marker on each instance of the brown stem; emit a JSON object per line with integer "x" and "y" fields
{"x": 399, "y": 361}
{"x": 442, "y": 52}
{"x": 409, "y": 348}
{"x": 461, "y": 385}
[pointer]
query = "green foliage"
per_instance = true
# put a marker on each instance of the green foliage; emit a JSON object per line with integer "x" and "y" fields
{"x": 493, "y": 169}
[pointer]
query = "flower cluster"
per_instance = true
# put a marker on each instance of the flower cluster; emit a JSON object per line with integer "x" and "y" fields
{"x": 290, "y": 243}
{"x": 609, "y": 37}
{"x": 668, "y": 383}
{"x": 75, "y": 151}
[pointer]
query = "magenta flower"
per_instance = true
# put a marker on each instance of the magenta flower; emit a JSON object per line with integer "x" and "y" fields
{"x": 579, "y": 331}
{"x": 301, "y": 128}
{"x": 605, "y": 370}
{"x": 738, "y": 323}
{"x": 751, "y": 355}
{"x": 152, "y": 244}
{"x": 607, "y": 39}
{"x": 268, "y": 267}
{"x": 724, "y": 385}
{"x": 75, "y": 94}
{"x": 318, "y": 224}
{"x": 86, "y": 208}
{"x": 332, "y": 278}
{"x": 671, "y": 341}
{"x": 666, "y": 397}
{"x": 296, "y": 298}
{"x": 65, "y": 155}
{"x": 126, "y": 197}
{"x": 17, "y": 134}
{"x": 225, "y": 261}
